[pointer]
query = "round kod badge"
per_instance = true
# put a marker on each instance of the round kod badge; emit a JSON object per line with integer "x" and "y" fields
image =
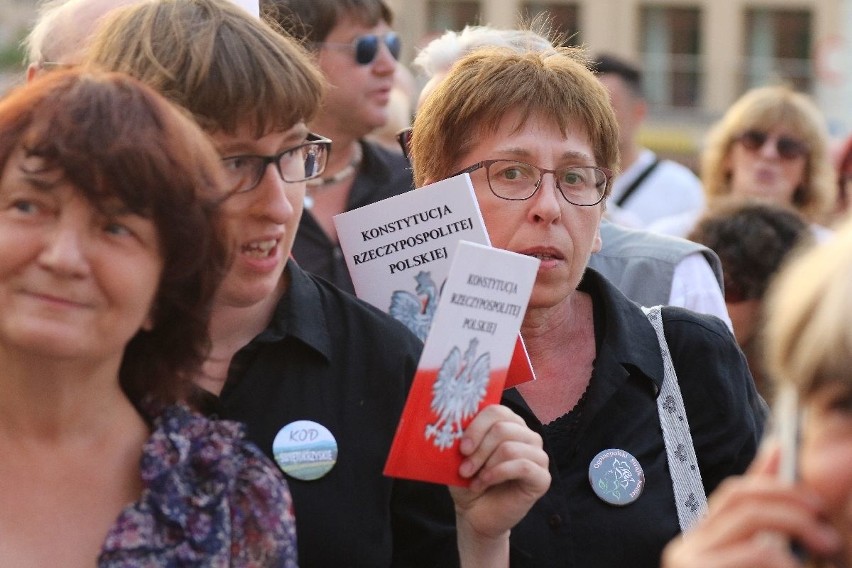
{"x": 616, "y": 477}
{"x": 305, "y": 450}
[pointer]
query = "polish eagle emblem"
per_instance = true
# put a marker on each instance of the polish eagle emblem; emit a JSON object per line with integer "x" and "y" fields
{"x": 416, "y": 311}
{"x": 457, "y": 393}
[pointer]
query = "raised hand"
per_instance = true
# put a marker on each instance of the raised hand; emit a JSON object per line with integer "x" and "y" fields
{"x": 508, "y": 469}
{"x": 751, "y": 521}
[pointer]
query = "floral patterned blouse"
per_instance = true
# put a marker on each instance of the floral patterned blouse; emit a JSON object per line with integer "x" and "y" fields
{"x": 210, "y": 498}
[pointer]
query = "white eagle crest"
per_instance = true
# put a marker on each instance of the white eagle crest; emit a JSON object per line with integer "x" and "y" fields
{"x": 416, "y": 311}
{"x": 457, "y": 393}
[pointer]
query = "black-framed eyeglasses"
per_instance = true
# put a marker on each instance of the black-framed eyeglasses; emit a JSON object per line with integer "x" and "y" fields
{"x": 403, "y": 138}
{"x": 299, "y": 163}
{"x": 516, "y": 181}
{"x": 787, "y": 147}
{"x": 366, "y": 47}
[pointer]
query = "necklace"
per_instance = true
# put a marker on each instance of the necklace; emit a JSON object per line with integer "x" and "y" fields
{"x": 322, "y": 182}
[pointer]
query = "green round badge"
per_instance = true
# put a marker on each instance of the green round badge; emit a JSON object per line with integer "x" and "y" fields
{"x": 305, "y": 450}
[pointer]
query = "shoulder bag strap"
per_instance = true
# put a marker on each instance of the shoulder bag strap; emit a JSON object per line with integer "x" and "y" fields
{"x": 683, "y": 465}
{"x": 637, "y": 182}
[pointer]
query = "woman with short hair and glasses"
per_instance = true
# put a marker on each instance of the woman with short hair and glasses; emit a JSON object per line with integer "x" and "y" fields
{"x": 535, "y": 131}
{"x": 771, "y": 145}
{"x": 291, "y": 355}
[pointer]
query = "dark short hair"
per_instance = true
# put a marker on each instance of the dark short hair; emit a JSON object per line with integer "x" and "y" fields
{"x": 753, "y": 239}
{"x": 114, "y": 138}
{"x": 607, "y": 64}
{"x": 312, "y": 20}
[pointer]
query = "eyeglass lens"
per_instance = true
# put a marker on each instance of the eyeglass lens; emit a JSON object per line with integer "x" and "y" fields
{"x": 367, "y": 47}
{"x": 580, "y": 185}
{"x": 301, "y": 163}
{"x": 787, "y": 147}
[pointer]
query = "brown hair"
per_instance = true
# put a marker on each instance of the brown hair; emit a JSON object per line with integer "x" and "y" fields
{"x": 488, "y": 83}
{"x": 113, "y": 137}
{"x": 765, "y": 108}
{"x": 312, "y": 20}
{"x": 213, "y": 58}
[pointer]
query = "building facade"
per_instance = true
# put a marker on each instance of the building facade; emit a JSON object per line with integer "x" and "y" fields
{"x": 698, "y": 56}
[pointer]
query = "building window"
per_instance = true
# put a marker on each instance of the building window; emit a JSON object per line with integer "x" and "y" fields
{"x": 671, "y": 60}
{"x": 446, "y": 15}
{"x": 778, "y": 48}
{"x": 564, "y": 18}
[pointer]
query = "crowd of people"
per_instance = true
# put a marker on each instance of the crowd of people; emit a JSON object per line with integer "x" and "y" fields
{"x": 176, "y": 302}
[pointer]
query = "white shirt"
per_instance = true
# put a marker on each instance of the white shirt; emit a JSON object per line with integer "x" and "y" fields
{"x": 694, "y": 286}
{"x": 678, "y": 225}
{"x": 671, "y": 188}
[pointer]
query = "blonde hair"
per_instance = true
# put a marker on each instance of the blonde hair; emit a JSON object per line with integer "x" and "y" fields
{"x": 765, "y": 108}
{"x": 808, "y": 336}
{"x": 490, "y": 82}
{"x": 214, "y": 59}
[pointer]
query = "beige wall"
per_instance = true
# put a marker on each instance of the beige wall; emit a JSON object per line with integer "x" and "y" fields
{"x": 613, "y": 25}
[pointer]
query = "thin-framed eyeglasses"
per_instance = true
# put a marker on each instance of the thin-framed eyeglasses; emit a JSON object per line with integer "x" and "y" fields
{"x": 787, "y": 147}
{"x": 299, "y": 163}
{"x": 366, "y": 47}
{"x": 516, "y": 181}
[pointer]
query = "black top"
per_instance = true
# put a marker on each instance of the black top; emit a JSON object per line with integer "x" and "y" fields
{"x": 333, "y": 359}
{"x": 383, "y": 174}
{"x": 570, "y": 525}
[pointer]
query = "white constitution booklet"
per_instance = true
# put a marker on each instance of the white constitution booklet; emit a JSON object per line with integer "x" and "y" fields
{"x": 399, "y": 251}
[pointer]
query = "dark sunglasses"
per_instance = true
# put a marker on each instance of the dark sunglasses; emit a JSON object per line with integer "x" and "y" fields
{"x": 366, "y": 47}
{"x": 787, "y": 147}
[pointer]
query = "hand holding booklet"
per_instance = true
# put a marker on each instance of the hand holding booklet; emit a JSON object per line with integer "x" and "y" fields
{"x": 464, "y": 362}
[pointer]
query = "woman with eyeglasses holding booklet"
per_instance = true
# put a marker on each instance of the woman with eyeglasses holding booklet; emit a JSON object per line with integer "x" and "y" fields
{"x": 535, "y": 130}
{"x": 771, "y": 145}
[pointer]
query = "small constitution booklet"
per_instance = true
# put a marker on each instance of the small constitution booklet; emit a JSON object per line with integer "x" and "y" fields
{"x": 398, "y": 252}
{"x": 465, "y": 360}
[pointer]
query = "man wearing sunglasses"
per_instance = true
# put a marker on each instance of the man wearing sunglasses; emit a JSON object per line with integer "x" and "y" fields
{"x": 357, "y": 52}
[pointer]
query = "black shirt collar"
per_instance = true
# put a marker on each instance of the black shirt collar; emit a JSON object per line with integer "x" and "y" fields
{"x": 622, "y": 329}
{"x": 299, "y": 314}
